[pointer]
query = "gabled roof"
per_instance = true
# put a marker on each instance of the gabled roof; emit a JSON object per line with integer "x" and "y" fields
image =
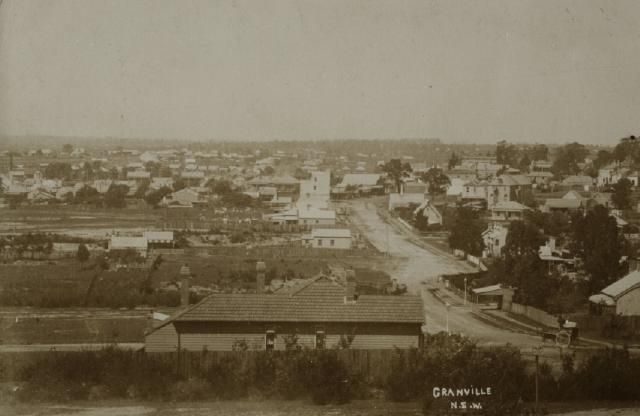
{"x": 510, "y": 206}
{"x": 487, "y": 289}
{"x": 563, "y": 203}
{"x": 360, "y": 179}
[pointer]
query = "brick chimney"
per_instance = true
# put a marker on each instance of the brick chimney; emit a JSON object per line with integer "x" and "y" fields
{"x": 185, "y": 280}
{"x": 350, "y": 295}
{"x": 260, "y": 269}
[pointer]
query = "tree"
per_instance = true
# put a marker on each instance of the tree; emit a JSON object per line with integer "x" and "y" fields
{"x": 142, "y": 189}
{"x": 115, "y": 196}
{"x": 269, "y": 171}
{"x": 302, "y": 174}
{"x": 396, "y": 170}
{"x": 454, "y": 161}
{"x": 628, "y": 148}
{"x": 83, "y": 254}
{"x": 221, "y": 187}
{"x": 436, "y": 180}
{"x": 523, "y": 267}
{"x": 506, "y": 154}
{"x": 599, "y": 245}
{"x": 466, "y": 232}
{"x": 524, "y": 163}
{"x": 539, "y": 152}
{"x": 153, "y": 198}
{"x": 58, "y": 170}
{"x": 67, "y": 148}
{"x": 567, "y": 159}
{"x": 179, "y": 184}
{"x": 621, "y": 197}
{"x": 87, "y": 195}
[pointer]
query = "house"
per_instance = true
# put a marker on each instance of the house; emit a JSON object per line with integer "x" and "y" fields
{"x": 361, "y": 182}
{"x": 192, "y": 177}
{"x": 159, "y": 238}
{"x": 554, "y": 256}
{"x": 405, "y": 200}
{"x": 319, "y": 313}
{"x": 506, "y": 188}
{"x": 475, "y": 190}
{"x": 336, "y": 238}
{"x": 608, "y": 175}
{"x": 414, "y": 188}
{"x": 286, "y": 185}
{"x": 494, "y": 238}
{"x": 138, "y": 175}
{"x": 464, "y": 174}
{"x": 508, "y": 211}
{"x": 187, "y": 197}
{"x": 311, "y": 216}
{"x": 430, "y": 212}
{"x": 621, "y": 297}
{"x": 158, "y": 183}
{"x": 582, "y": 182}
{"x": 455, "y": 187}
{"x": 315, "y": 216}
{"x": 126, "y": 242}
{"x": 571, "y": 201}
{"x": 540, "y": 166}
{"x": 539, "y": 178}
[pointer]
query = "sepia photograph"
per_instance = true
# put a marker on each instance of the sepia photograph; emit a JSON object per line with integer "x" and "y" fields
{"x": 319, "y": 207}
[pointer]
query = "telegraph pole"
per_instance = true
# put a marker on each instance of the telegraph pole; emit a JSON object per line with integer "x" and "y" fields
{"x": 537, "y": 352}
{"x": 465, "y": 291}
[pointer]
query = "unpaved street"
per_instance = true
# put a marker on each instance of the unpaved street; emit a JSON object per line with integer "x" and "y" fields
{"x": 418, "y": 267}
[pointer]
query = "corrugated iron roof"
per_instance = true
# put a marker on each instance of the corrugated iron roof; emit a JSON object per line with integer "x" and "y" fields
{"x": 622, "y": 286}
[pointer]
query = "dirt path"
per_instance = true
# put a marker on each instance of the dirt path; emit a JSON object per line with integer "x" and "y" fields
{"x": 418, "y": 266}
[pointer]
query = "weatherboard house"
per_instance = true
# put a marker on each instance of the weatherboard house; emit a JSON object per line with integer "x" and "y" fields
{"x": 320, "y": 313}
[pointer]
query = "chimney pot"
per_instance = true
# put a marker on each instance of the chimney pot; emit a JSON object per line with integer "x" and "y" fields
{"x": 185, "y": 280}
{"x": 350, "y": 292}
{"x": 260, "y": 276}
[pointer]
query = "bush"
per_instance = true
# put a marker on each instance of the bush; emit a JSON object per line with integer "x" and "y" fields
{"x": 406, "y": 381}
{"x": 229, "y": 377}
{"x": 192, "y": 389}
{"x": 328, "y": 379}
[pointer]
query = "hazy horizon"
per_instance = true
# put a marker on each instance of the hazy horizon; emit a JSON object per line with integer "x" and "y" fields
{"x": 459, "y": 71}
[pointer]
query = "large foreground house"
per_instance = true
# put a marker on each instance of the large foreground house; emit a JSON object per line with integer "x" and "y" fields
{"x": 320, "y": 313}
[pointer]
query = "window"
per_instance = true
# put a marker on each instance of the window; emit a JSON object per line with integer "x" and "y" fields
{"x": 319, "y": 242}
{"x": 270, "y": 340}
{"x": 332, "y": 243}
{"x": 315, "y": 188}
{"x": 317, "y": 221}
{"x": 320, "y": 340}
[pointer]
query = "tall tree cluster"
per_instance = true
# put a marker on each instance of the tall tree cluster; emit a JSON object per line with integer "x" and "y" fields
{"x": 600, "y": 246}
{"x": 466, "y": 232}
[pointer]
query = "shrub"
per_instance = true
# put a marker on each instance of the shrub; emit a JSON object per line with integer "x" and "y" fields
{"x": 406, "y": 380}
{"x": 328, "y": 379}
{"x": 192, "y": 389}
{"x": 229, "y": 377}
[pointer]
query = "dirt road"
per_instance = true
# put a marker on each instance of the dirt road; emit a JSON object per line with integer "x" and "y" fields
{"x": 418, "y": 266}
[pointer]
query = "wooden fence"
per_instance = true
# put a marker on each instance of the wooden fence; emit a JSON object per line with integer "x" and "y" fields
{"x": 535, "y": 314}
{"x": 286, "y": 251}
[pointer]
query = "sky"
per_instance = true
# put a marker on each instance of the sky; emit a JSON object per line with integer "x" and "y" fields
{"x": 545, "y": 71}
